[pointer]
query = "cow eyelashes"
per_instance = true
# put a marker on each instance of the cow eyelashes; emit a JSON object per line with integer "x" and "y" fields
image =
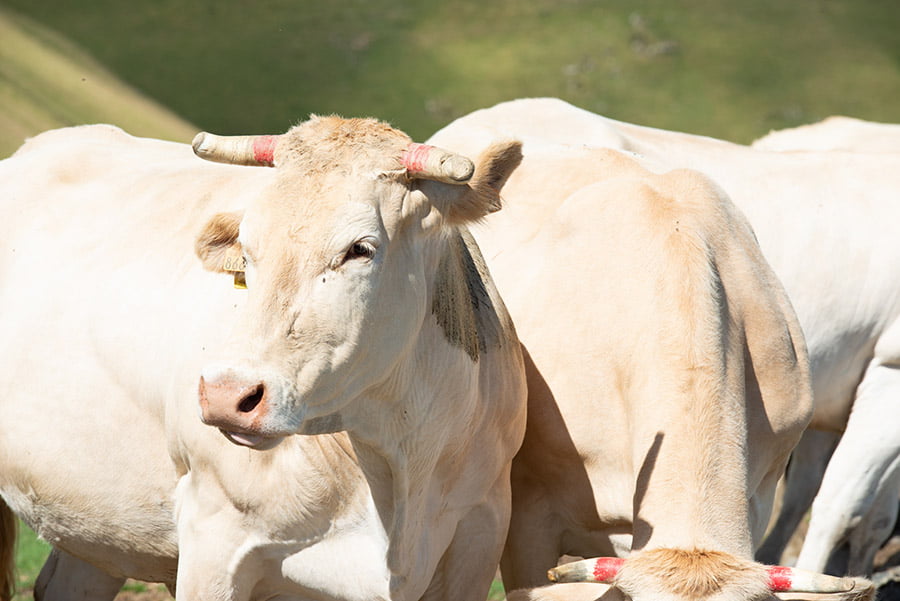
{"x": 361, "y": 249}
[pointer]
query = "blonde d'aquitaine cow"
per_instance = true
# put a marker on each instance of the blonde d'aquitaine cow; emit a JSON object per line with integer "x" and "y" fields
{"x": 791, "y": 221}
{"x": 810, "y": 459}
{"x": 834, "y": 133}
{"x": 370, "y": 327}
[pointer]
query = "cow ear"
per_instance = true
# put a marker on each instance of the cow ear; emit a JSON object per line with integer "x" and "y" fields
{"x": 481, "y": 196}
{"x": 218, "y": 236}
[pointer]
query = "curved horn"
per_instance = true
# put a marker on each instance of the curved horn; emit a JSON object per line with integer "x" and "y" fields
{"x": 781, "y": 579}
{"x": 430, "y": 162}
{"x": 601, "y": 569}
{"x": 236, "y": 150}
{"x": 791, "y": 580}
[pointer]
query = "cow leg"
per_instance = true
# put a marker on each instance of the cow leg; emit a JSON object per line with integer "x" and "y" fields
{"x": 211, "y": 563}
{"x": 801, "y": 482}
{"x": 568, "y": 592}
{"x": 533, "y": 544}
{"x": 64, "y": 577}
{"x": 469, "y": 564}
{"x": 868, "y": 448}
{"x": 874, "y": 530}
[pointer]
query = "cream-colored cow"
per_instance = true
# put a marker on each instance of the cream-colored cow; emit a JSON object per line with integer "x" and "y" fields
{"x": 834, "y": 133}
{"x": 370, "y": 326}
{"x": 796, "y": 219}
{"x": 809, "y": 462}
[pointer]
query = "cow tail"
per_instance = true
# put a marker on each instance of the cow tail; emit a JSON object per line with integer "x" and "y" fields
{"x": 8, "y": 531}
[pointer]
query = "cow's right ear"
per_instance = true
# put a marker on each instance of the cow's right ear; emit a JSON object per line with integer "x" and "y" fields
{"x": 218, "y": 236}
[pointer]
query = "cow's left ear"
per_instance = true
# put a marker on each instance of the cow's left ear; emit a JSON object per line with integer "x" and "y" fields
{"x": 481, "y": 195}
{"x": 218, "y": 236}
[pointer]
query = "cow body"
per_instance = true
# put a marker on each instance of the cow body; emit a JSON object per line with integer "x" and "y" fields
{"x": 801, "y": 205}
{"x": 810, "y": 461}
{"x": 667, "y": 374}
{"x": 834, "y": 133}
{"x": 110, "y": 320}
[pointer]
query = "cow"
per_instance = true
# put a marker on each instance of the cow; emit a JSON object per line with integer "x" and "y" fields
{"x": 834, "y": 133}
{"x": 342, "y": 429}
{"x": 807, "y": 466}
{"x": 667, "y": 375}
{"x": 802, "y": 206}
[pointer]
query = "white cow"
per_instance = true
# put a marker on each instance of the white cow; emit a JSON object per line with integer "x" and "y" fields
{"x": 668, "y": 380}
{"x": 826, "y": 223}
{"x": 834, "y": 133}
{"x": 370, "y": 326}
{"x": 810, "y": 460}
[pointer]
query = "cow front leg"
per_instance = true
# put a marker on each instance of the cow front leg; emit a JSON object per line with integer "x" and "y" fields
{"x": 65, "y": 577}
{"x": 213, "y": 564}
{"x": 533, "y": 544}
{"x": 862, "y": 462}
{"x": 468, "y": 566}
{"x": 867, "y": 538}
{"x": 801, "y": 482}
{"x": 569, "y": 592}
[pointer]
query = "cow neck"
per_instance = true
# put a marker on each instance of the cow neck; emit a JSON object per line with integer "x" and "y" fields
{"x": 690, "y": 460}
{"x": 424, "y": 412}
{"x": 464, "y": 302}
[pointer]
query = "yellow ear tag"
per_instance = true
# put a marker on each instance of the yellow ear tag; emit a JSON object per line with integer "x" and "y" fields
{"x": 236, "y": 264}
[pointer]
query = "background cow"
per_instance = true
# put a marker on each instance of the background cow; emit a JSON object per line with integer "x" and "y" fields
{"x": 370, "y": 324}
{"x": 849, "y": 319}
{"x": 834, "y": 133}
{"x": 667, "y": 374}
{"x": 809, "y": 462}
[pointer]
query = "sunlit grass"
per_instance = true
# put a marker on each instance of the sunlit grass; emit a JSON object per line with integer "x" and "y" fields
{"x": 726, "y": 68}
{"x": 46, "y": 82}
{"x": 31, "y": 552}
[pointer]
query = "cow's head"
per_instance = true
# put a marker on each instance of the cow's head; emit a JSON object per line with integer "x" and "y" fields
{"x": 340, "y": 252}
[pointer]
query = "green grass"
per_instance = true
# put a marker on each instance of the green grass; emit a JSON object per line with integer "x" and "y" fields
{"x": 31, "y": 552}
{"x": 496, "y": 593}
{"x": 47, "y": 82}
{"x": 728, "y": 68}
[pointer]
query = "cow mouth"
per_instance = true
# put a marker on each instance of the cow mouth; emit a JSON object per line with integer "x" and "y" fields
{"x": 253, "y": 441}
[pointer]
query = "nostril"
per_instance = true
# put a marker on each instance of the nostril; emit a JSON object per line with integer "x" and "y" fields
{"x": 249, "y": 402}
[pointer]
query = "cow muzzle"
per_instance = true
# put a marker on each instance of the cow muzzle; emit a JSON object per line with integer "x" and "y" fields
{"x": 238, "y": 407}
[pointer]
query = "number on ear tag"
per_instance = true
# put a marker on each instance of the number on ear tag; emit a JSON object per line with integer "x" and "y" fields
{"x": 234, "y": 259}
{"x": 235, "y": 263}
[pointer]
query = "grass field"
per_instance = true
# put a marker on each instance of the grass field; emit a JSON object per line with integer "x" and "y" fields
{"x": 47, "y": 82}
{"x": 30, "y": 555}
{"x": 727, "y": 68}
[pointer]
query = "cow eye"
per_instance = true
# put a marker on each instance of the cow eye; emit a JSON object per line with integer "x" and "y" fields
{"x": 361, "y": 249}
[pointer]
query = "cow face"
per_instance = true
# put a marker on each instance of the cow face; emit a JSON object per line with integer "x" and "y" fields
{"x": 340, "y": 253}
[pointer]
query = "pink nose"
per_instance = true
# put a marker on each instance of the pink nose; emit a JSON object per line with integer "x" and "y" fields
{"x": 232, "y": 404}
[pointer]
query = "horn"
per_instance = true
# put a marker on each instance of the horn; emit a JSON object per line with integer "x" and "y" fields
{"x": 791, "y": 580}
{"x": 601, "y": 569}
{"x": 781, "y": 579}
{"x": 236, "y": 150}
{"x": 430, "y": 162}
